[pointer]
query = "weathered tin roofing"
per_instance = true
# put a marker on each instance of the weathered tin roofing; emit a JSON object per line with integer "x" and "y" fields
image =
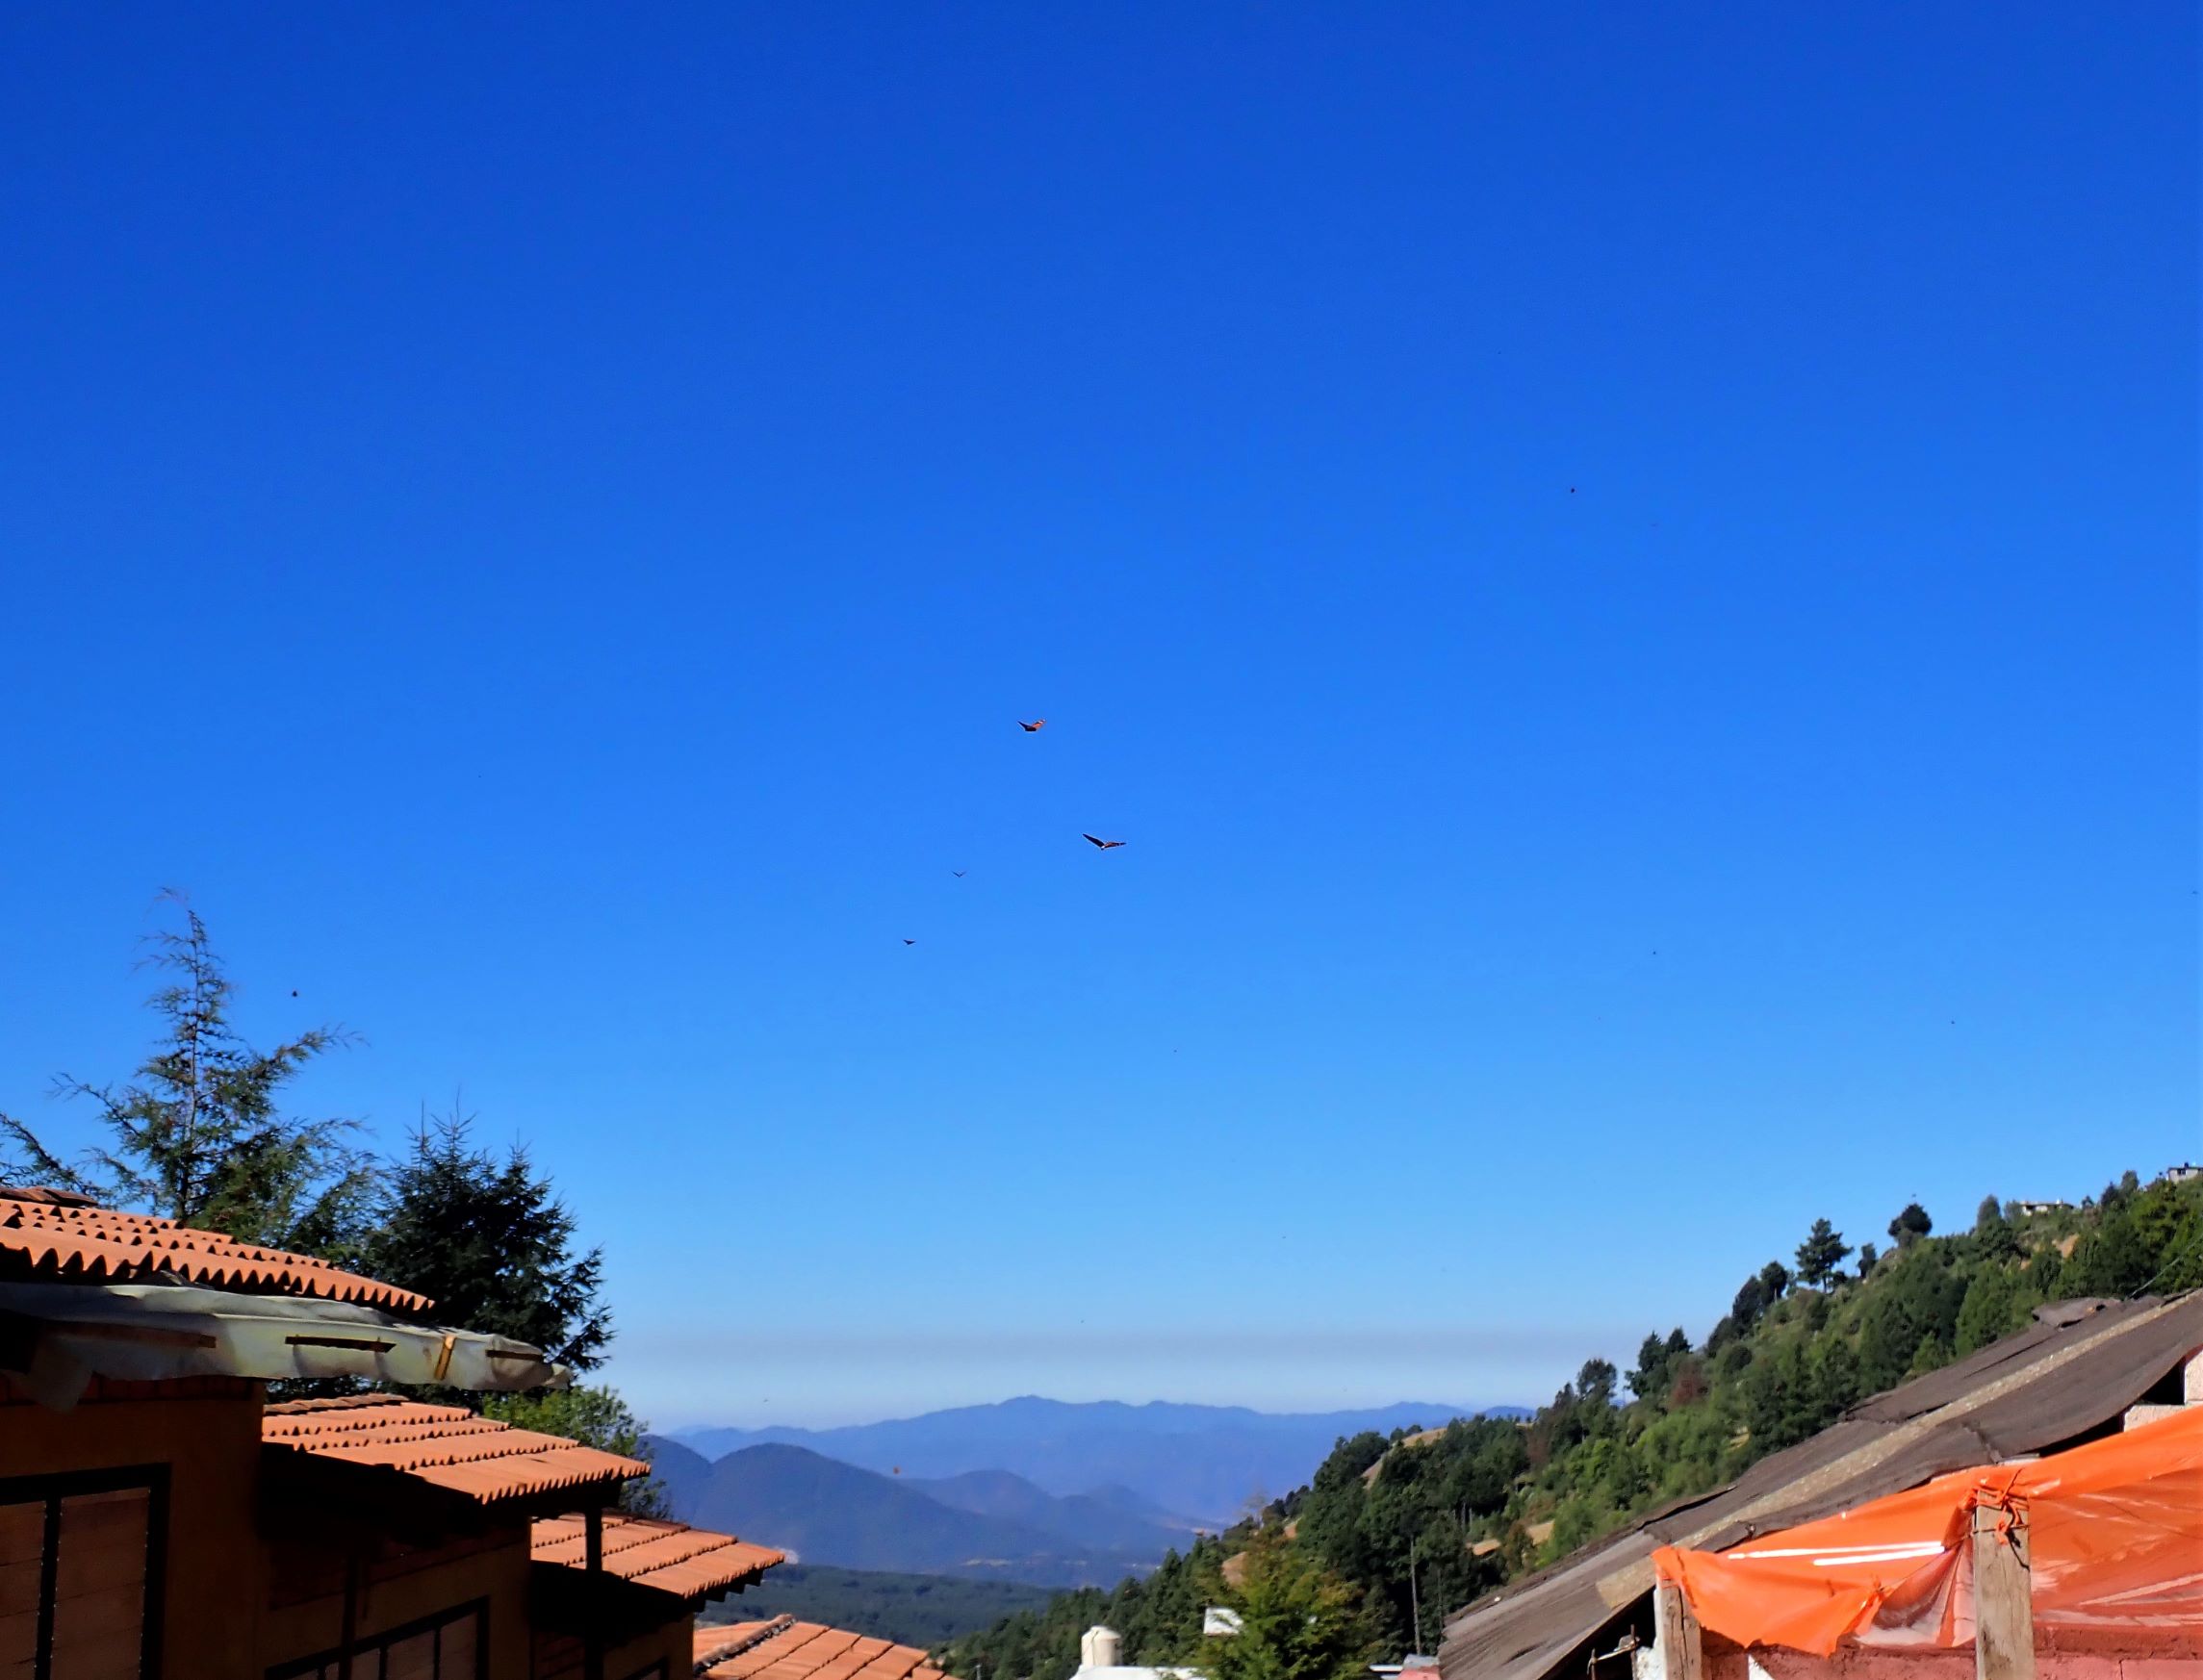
{"x": 2074, "y": 1371}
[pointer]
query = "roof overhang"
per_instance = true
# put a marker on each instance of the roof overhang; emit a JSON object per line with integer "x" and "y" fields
{"x": 58, "y": 1336}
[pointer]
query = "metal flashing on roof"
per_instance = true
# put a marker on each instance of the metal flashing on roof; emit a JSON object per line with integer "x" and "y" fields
{"x": 59, "y": 1337}
{"x": 55, "y": 1234}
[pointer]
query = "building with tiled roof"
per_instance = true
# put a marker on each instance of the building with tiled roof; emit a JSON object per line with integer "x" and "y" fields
{"x": 159, "y": 1518}
{"x": 446, "y": 1448}
{"x": 59, "y": 1237}
{"x": 690, "y": 1563}
{"x": 788, "y": 1649}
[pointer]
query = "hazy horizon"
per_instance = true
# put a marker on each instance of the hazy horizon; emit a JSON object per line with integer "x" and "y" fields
{"x": 1450, "y": 1408}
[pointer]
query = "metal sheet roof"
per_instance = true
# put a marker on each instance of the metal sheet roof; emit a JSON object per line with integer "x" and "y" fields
{"x": 49, "y": 1234}
{"x": 164, "y": 1331}
{"x": 445, "y": 1446}
{"x": 2082, "y": 1364}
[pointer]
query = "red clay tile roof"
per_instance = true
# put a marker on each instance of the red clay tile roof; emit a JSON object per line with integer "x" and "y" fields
{"x": 65, "y": 1237}
{"x": 445, "y": 1446}
{"x": 786, "y": 1649}
{"x": 689, "y": 1563}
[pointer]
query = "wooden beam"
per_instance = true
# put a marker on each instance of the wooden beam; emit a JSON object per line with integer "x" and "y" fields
{"x": 2004, "y": 1607}
{"x": 1682, "y": 1653}
{"x": 348, "y": 1618}
{"x": 593, "y": 1593}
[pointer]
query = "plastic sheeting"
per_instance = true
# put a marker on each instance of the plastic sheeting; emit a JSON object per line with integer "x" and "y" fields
{"x": 152, "y": 1332}
{"x": 2115, "y": 1531}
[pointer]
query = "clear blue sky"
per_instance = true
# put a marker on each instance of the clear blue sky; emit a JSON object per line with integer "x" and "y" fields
{"x": 1627, "y": 577}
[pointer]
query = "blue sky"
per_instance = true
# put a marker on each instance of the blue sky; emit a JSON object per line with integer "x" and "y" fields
{"x": 1627, "y": 576}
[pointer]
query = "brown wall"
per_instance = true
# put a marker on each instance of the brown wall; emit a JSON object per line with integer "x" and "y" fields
{"x": 399, "y": 1588}
{"x": 235, "y": 1602}
{"x": 207, "y": 1431}
{"x": 559, "y": 1656}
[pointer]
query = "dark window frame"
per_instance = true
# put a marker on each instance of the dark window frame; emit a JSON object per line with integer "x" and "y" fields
{"x": 51, "y": 1489}
{"x": 378, "y": 1644}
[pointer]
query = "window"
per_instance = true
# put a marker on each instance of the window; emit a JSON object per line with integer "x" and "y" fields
{"x": 79, "y": 1586}
{"x": 444, "y": 1647}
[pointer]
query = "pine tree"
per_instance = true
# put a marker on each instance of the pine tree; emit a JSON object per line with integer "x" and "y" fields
{"x": 491, "y": 1245}
{"x": 1820, "y": 1252}
{"x": 1297, "y": 1622}
{"x": 200, "y": 1136}
{"x": 1911, "y": 1225}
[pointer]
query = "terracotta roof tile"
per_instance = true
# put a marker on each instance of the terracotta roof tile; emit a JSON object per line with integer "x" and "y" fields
{"x": 445, "y": 1446}
{"x": 67, "y": 1238}
{"x": 786, "y": 1649}
{"x": 689, "y": 1563}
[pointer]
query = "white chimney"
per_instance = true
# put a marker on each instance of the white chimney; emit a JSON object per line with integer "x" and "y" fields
{"x": 1100, "y": 1647}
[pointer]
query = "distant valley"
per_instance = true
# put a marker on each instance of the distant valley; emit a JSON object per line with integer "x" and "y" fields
{"x": 985, "y": 1525}
{"x": 1044, "y": 1492}
{"x": 1201, "y": 1464}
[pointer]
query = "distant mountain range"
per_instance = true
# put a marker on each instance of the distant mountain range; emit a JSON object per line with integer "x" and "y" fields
{"x": 1176, "y": 1467}
{"x": 986, "y": 1525}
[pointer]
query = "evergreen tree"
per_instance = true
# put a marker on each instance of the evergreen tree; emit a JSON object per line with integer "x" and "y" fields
{"x": 1911, "y": 1225}
{"x": 200, "y": 1136}
{"x": 1775, "y": 1278}
{"x": 1751, "y": 1302}
{"x": 1994, "y": 1238}
{"x": 1867, "y": 1256}
{"x": 595, "y": 1417}
{"x": 1296, "y": 1621}
{"x": 1820, "y": 1252}
{"x": 1649, "y": 1378}
{"x": 491, "y": 1245}
{"x": 1996, "y": 1303}
{"x": 1594, "y": 1382}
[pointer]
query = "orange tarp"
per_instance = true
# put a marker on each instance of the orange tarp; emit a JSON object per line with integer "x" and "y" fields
{"x": 2116, "y": 1536}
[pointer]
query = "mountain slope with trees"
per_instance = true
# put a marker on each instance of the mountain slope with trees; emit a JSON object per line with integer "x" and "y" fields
{"x": 827, "y": 1512}
{"x": 1399, "y": 1521}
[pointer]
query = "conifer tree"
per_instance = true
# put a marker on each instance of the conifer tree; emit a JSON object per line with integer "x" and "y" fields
{"x": 1820, "y": 1252}
{"x": 200, "y": 1134}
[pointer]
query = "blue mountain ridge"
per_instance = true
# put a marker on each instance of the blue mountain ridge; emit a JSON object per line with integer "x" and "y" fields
{"x": 1181, "y": 1465}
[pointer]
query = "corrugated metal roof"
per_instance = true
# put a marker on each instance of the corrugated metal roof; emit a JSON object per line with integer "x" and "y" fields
{"x": 445, "y": 1445}
{"x": 53, "y": 1234}
{"x": 788, "y": 1649}
{"x": 2080, "y": 1366}
{"x": 689, "y": 1563}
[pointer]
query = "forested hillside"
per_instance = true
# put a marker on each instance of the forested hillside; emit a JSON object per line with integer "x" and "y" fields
{"x": 1486, "y": 1500}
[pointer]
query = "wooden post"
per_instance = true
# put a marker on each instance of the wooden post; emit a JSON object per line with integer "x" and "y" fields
{"x": 593, "y": 1595}
{"x": 1683, "y": 1655}
{"x": 2004, "y": 1607}
{"x": 348, "y": 1617}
